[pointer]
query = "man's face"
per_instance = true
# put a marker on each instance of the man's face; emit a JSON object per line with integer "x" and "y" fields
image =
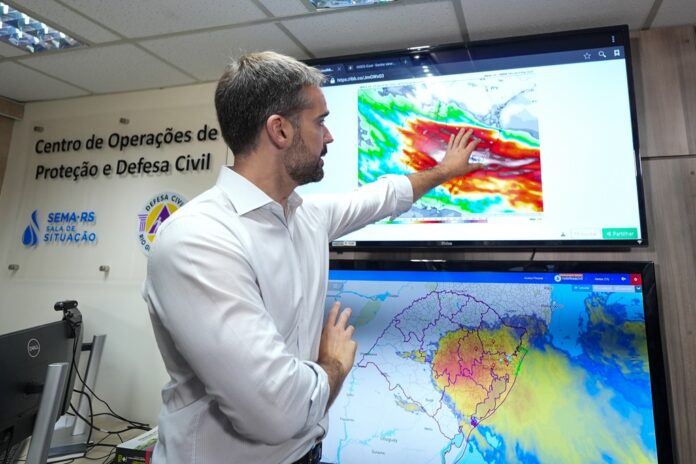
{"x": 303, "y": 159}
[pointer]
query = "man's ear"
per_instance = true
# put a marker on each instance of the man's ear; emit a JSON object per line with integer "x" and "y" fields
{"x": 280, "y": 131}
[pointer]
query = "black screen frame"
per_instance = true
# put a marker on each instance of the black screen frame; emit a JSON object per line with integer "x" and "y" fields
{"x": 505, "y": 48}
{"x": 659, "y": 367}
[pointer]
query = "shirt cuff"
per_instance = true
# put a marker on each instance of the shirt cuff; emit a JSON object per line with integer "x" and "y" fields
{"x": 319, "y": 398}
{"x": 403, "y": 193}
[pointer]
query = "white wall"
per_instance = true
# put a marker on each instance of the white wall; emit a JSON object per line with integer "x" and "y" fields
{"x": 132, "y": 372}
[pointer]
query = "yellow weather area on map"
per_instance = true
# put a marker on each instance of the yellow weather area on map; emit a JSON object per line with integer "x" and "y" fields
{"x": 611, "y": 338}
{"x": 548, "y": 404}
{"x": 476, "y": 369}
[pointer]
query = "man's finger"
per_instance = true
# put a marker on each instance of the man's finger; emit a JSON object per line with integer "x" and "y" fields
{"x": 333, "y": 313}
{"x": 468, "y": 135}
{"x": 461, "y": 135}
{"x": 457, "y": 137}
{"x": 343, "y": 318}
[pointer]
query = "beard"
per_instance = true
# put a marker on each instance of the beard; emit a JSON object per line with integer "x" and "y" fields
{"x": 301, "y": 165}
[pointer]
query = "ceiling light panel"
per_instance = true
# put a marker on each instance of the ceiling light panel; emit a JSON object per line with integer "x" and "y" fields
{"x": 323, "y": 4}
{"x": 29, "y": 34}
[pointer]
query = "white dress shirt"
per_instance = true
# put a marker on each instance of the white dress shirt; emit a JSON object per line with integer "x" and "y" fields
{"x": 236, "y": 294}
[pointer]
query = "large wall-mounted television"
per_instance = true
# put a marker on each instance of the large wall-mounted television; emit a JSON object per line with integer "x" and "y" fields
{"x": 556, "y": 119}
{"x": 499, "y": 362}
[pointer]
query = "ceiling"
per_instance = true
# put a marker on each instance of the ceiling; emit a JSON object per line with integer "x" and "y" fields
{"x": 147, "y": 44}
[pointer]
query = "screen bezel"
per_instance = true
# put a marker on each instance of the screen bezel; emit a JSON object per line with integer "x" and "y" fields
{"x": 508, "y": 47}
{"x": 659, "y": 368}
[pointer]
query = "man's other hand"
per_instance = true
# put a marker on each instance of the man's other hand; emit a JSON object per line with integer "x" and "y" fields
{"x": 337, "y": 348}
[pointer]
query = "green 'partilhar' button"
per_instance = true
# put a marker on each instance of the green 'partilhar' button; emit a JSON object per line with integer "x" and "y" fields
{"x": 620, "y": 233}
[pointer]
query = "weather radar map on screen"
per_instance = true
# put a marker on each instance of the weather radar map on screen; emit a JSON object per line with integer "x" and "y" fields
{"x": 556, "y": 124}
{"x": 406, "y": 128}
{"x": 494, "y": 367}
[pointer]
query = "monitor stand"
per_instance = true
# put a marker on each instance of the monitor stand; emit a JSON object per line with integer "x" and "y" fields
{"x": 71, "y": 432}
{"x": 56, "y": 379}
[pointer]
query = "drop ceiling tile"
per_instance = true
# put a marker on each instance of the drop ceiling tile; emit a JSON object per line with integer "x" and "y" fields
{"x": 376, "y": 28}
{"x": 10, "y": 50}
{"x": 23, "y": 85}
{"x": 486, "y": 19}
{"x": 675, "y": 13}
{"x": 67, "y": 20}
{"x": 137, "y": 18}
{"x": 113, "y": 68}
{"x": 285, "y": 7}
{"x": 205, "y": 55}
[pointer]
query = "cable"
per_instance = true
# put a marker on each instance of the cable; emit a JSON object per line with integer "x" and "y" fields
{"x": 531, "y": 258}
{"x": 113, "y": 413}
{"x": 90, "y": 446}
{"x": 91, "y": 419}
{"x": 82, "y": 392}
{"x": 109, "y": 433}
{"x": 134, "y": 425}
{"x": 75, "y": 323}
{"x": 91, "y": 415}
{"x": 99, "y": 443}
{"x": 105, "y": 457}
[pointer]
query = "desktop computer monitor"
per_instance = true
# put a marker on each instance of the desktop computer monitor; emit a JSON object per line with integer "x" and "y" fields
{"x": 24, "y": 360}
{"x": 495, "y": 362}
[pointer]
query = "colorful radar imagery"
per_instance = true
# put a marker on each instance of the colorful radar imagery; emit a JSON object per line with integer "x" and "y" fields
{"x": 406, "y": 128}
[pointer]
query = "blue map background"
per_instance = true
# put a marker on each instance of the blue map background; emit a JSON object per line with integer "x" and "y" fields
{"x": 581, "y": 394}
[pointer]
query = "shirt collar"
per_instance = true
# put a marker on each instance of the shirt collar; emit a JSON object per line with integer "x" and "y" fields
{"x": 245, "y": 196}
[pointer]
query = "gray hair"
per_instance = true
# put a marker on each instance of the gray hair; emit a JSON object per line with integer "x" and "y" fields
{"x": 256, "y": 86}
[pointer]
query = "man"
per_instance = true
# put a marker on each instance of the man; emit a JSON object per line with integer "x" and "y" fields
{"x": 237, "y": 278}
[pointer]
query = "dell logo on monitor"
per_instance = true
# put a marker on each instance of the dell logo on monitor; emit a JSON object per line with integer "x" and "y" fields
{"x": 33, "y": 347}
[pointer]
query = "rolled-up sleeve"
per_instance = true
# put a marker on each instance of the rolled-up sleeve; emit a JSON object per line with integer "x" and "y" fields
{"x": 204, "y": 292}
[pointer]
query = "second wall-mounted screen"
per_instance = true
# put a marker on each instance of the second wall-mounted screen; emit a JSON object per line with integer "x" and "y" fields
{"x": 500, "y": 362}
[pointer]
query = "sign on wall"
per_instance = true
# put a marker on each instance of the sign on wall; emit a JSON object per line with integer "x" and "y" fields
{"x": 92, "y": 180}
{"x": 61, "y": 227}
{"x": 157, "y": 210}
{"x": 121, "y": 166}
